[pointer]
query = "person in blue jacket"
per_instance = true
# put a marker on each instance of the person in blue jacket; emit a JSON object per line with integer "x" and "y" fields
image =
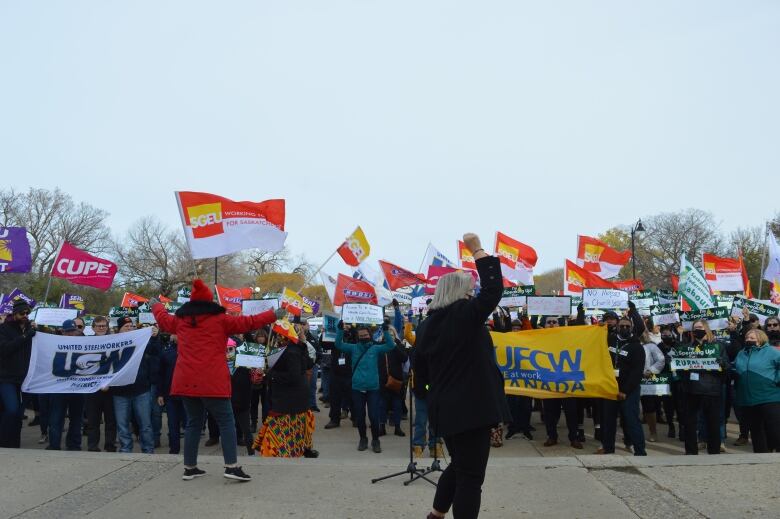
{"x": 365, "y": 379}
{"x": 757, "y": 369}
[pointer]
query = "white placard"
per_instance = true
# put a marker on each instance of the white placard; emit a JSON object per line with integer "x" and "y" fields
{"x": 258, "y": 306}
{"x": 250, "y": 361}
{"x": 548, "y": 305}
{"x": 420, "y": 303}
{"x": 146, "y": 318}
{"x": 362, "y": 313}
{"x": 54, "y": 316}
{"x": 662, "y": 319}
{"x": 605, "y": 298}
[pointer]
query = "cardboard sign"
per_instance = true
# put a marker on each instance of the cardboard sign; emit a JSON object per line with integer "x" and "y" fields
{"x": 761, "y": 309}
{"x": 605, "y": 298}
{"x": 53, "y": 316}
{"x": 515, "y": 297}
{"x": 548, "y": 305}
{"x": 258, "y": 306}
{"x": 250, "y": 361}
{"x": 362, "y": 313}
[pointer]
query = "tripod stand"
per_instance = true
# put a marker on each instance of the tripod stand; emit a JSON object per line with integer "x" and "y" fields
{"x": 414, "y": 472}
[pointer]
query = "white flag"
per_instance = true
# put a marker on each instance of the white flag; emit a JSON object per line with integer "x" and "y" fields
{"x": 772, "y": 271}
{"x": 330, "y": 285}
{"x": 63, "y": 364}
{"x": 434, "y": 257}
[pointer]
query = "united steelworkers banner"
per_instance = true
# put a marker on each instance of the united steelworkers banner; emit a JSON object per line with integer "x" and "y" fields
{"x": 61, "y": 364}
{"x": 215, "y": 226}
{"x": 556, "y": 363}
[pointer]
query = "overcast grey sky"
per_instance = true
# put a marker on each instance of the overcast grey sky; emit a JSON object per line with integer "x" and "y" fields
{"x": 418, "y": 120}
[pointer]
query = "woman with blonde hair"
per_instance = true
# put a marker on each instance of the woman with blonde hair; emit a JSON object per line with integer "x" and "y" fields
{"x": 702, "y": 364}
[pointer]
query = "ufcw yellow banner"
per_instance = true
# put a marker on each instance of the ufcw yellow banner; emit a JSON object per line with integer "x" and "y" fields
{"x": 571, "y": 361}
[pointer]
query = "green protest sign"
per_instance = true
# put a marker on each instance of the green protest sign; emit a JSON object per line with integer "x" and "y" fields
{"x": 717, "y": 318}
{"x": 664, "y": 314}
{"x": 656, "y": 385}
{"x": 667, "y": 297}
{"x": 693, "y": 287}
{"x": 516, "y": 296}
{"x": 760, "y": 309}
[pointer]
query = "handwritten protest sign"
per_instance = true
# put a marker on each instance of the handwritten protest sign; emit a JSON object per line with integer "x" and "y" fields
{"x": 604, "y": 298}
{"x": 53, "y": 316}
{"x": 548, "y": 305}
{"x": 146, "y": 318}
{"x": 516, "y": 296}
{"x": 362, "y": 313}
{"x": 258, "y": 306}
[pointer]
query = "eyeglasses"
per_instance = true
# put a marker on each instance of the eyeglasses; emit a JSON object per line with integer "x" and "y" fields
{"x": 26, "y": 312}
{"x": 773, "y": 325}
{"x": 99, "y": 326}
{"x": 80, "y": 326}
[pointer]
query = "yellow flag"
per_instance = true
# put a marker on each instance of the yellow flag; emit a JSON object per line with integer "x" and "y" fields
{"x": 571, "y": 361}
{"x": 355, "y": 248}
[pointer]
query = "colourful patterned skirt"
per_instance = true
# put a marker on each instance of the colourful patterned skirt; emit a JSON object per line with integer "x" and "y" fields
{"x": 285, "y": 435}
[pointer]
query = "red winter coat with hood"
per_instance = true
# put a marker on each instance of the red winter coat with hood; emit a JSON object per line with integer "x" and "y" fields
{"x": 202, "y": 328}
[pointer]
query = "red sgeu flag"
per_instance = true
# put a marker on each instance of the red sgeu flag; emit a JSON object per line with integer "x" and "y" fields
{"x": 629, "y": 285}
{"x": 723, "y": 274}
{"x": 285, "y": 328}
{"x": 351, "y": 290}
{"x": 511, "y": 252}
{"x": 231, "y": 298}
{"x": 82, "y": 268}
{"x": 465, "y": 257}
{"x": 130, "y": 300}
{"x": 576, "y": 278}
{"x": 398, "y": 277}
{"x": 596, "y": 256}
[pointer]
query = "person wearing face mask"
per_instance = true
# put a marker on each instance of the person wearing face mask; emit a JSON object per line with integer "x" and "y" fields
{"x": 365, "y": 379}
{"x": 16, "y": 335}
{"x": 702, "y": 386}
{"x": 671, "y": 402}
{"x": 757, "y": 372}
{"x": 628, "y": 361}
{"x": 772, "y": 328}
{"x": 654, "y": 365}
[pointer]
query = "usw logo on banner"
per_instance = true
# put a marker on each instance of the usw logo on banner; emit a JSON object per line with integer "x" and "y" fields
{"x": 62, "y": 364}
{"x": 556, "y": 363}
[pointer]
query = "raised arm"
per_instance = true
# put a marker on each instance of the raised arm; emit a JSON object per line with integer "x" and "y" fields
{"x": 389, "y": 343}
{"x": 341, "y": 345}
{"x": 165, "y": 321}
{"x": 245, "y": 323}
{"x": 490, "y": 278}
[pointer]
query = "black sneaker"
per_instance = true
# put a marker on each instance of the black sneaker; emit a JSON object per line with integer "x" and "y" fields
{"x": 363, "y": 444}
{"x": 192, "y": 474}
{"x": 332, "y": 425}
{"x": 311, "y": 453}
{"x": 375, "y": 446}
{"x": 237, "y": 473}
{"x": 581, "y": 435}
{"x": 399, "y": 432}
{"x": 211, "y": 442}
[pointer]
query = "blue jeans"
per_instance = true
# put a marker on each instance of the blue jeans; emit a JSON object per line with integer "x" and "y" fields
{"x": 390, "y": 401}
{"x": 11, "y": 417}
{"x": 313, "y": 386}
{"x": 325, "y": 371}
{"x": 629, "y": 408}
{"x": 421, "y": 423}
{"x": 222, "y": 411}
{"x": 140, "y": 407}
{"x": 174, "y": 408}
{"x": 156, "y": 414}
{"x": 361, "y": 399}
{"x": 74, "y": 403}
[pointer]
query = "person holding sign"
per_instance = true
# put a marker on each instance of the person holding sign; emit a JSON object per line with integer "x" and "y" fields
{"x": 201, "y": 374}
{"x": 456, "y": 359}
{"x": 365, "y": 379}
{"x": 16, "y": 335}
{"x": 757, "y": 370}
{"x": 701, "y": 364}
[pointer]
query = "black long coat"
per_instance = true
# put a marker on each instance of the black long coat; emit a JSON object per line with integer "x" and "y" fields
{"x": 456, "y": 359}
{"x": 289, "y": 386}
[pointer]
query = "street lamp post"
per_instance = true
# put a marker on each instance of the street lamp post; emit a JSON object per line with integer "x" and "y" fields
{"x": 638, "y": 227}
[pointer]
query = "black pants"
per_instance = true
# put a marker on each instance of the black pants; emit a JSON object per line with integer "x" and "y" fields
{"x": 243, "y": 433}
{"x": 254, "y": 406}
{"x": 764, "y": 423}
{"x": 340, "y": 395}
{"x": 213, "y": 427}
{"x": 520, "y": 408}
{"x": 711, "y": 407}
{"x": 460, "y": 485}
{"x": 552, "y": 414}
{"x": 101, "y": 404}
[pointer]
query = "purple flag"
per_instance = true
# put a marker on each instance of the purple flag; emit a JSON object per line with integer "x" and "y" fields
{"x": 72, "y": 301}
{"x": 14, "y": 250}
{"x": 315, "y": 306}
{"x": 8, "y": 302}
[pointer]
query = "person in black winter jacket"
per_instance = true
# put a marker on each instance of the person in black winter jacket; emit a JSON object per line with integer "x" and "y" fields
{"x": 391, "y": 363}
{"x": 456, "y": 359}
{"x": 628, "y": 360}
{"x": 174, "y": 407}
{"x": 340, "y": 384}
{"x": 16, "y": 335}
{"x": 240, "y": 398}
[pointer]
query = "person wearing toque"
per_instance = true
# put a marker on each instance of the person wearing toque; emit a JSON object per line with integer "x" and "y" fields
{"x": 16, "y": 335}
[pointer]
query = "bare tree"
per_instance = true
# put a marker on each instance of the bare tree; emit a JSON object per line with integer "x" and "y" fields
{"x": 50, "y": 217}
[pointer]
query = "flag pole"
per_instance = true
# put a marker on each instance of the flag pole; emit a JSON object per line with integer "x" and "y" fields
{"x": 763, "y": 260}
{"x": 424, "y": 256}
{"x": 215, "y": 270}
{"x": 311, "y": 276}
{"x": 48, "y": 283}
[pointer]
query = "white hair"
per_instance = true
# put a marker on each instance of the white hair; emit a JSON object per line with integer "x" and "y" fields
{"x": 450, "y": 288}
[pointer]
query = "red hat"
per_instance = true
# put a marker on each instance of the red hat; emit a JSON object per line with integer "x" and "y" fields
{"x": 200, "y": 292}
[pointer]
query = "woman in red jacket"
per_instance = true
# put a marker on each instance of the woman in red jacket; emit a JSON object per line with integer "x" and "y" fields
{"x": 201, "y": 376}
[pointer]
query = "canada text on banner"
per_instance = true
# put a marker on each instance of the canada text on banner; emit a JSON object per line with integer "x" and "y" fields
{"x": 62, "y": 364}
{"x": 215, "y": 226}
{"x": 596, "y": 256}
{"x": 556, "y": 362}
{"x": 82, "y": 268}
{"x": 355, "y": 248}
{"x": 15, "y": 257}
